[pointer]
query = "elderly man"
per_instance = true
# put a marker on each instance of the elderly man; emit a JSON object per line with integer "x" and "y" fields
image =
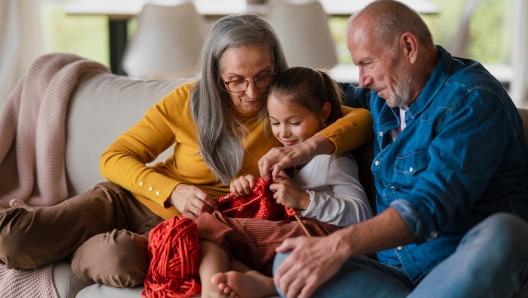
{"x": 451, "y": 174}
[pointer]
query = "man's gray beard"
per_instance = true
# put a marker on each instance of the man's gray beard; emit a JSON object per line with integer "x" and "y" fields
{"x": 402, "y": 92}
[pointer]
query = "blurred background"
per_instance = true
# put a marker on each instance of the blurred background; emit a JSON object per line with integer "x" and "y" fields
{"x": 491, "y": 27}
{"x": 489, "y": 39}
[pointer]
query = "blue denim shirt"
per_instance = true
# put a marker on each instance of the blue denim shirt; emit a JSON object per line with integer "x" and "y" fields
{"x": 460, "y": 158}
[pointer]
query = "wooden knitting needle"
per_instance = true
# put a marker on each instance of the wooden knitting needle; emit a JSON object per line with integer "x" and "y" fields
{"x": 303, "y": 226}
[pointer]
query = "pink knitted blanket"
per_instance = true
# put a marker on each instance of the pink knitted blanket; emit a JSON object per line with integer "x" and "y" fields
{"x": 32, "y": 149}
{"x": 33, "y": 132}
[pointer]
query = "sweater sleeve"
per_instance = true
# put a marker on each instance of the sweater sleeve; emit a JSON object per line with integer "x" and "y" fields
{"x": 342, "y": 201}
{"x": 351, "y": 131}
{"x": 124, "y": 161}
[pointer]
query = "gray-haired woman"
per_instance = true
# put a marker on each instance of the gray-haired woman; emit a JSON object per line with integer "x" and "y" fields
{"x": 218, "y": 135}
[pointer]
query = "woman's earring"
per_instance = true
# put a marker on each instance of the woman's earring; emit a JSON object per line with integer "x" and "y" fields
{"x": 324, "y": 124}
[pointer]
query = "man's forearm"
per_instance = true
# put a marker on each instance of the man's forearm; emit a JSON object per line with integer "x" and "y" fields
{"x": 386, "y": 230}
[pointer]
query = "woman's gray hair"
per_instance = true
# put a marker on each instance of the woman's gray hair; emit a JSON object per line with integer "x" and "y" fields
{"x": 220, "y": 134}
{"x": 390, "y": 19}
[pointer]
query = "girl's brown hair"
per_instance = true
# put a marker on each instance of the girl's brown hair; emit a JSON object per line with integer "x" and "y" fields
{"x": 308, "y": 88}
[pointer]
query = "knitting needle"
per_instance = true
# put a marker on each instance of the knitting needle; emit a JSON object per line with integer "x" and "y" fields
{"x": 303, "y": 226}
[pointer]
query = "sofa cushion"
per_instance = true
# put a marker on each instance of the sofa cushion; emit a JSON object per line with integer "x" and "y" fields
{"x": 66, "y": 282}
{"x": 102, "y": 107}
{"x": 102, "y": 291}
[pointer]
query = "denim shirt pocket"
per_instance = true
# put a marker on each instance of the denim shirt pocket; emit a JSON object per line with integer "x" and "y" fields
{"x": 406, "y": 168}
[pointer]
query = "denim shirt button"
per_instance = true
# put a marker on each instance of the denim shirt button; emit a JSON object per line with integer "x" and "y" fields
{"x": 411, "y": 170}
{"x": 434, "y": 234}
{"x": 381, "y": 134}
{"x": 399, "y": 247}
{"x": 376, "y": 163}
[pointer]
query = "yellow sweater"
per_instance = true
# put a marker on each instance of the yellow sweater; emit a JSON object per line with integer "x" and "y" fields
{"x": 170, "y": 122}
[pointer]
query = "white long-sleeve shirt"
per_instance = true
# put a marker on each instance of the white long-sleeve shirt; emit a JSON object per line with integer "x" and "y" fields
{"x": 336, "y": 195}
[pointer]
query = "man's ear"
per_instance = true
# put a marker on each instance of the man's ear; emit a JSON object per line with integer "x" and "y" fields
{"x": 325, "y": 111}
{"x": 409, "y": 45}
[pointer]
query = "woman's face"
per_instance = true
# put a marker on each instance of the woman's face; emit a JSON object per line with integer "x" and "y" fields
{"x": 246, "y": 63}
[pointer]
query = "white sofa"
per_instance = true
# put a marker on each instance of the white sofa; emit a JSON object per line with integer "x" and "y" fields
{"x": 101, "y": 107}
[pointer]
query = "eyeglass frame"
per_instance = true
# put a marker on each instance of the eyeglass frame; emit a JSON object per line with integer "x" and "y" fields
{"x": 247, "y": 83}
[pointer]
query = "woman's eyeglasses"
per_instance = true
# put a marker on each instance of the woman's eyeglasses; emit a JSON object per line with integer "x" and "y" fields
{"x": 262, "y": 83}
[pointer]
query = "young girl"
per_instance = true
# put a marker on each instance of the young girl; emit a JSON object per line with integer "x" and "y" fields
{"x": 237, "y": 253}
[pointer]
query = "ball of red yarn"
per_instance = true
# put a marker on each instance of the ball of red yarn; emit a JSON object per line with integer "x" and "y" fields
{"x": 174, "y": 252}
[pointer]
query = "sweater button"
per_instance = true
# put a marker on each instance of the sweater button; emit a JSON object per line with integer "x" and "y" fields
{"x": 150, "y": 188}
{"x": 140, "y": 183}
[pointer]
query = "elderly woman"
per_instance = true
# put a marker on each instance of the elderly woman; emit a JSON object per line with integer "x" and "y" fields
{"x": 218, "y": 136}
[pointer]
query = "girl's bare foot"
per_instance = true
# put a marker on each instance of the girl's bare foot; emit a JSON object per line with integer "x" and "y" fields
{"x": 251, "y": 284}
{"x": 14, "y": 203}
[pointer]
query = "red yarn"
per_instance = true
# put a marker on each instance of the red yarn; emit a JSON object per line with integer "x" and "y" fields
{"x": 174, "y": 252}
{"x": 259, "y": 204}
{"x": 174, "y": 245}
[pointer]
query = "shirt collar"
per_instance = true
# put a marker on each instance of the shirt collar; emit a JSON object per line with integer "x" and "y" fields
{"x": 434, "y": 84}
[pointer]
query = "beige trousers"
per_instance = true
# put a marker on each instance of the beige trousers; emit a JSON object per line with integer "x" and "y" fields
{"x": 103, "y": 232}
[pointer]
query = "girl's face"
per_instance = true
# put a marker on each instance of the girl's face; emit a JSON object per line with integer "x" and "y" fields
{"x": 292, "y": 124}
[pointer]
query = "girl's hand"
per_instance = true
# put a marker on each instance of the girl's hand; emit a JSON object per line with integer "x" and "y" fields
{"x": 287, "y": 193}
{"x": 243, "y": 185}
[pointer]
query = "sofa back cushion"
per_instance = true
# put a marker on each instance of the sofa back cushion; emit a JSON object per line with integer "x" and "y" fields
{"x": 103, "y": 106}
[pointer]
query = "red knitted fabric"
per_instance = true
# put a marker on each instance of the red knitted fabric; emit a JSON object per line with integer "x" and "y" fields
{"x": 259, "y": 204}
{"x": 174, "y": 251}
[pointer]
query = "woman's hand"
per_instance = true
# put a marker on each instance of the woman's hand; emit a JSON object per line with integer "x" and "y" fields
{"x": 243, "y": 186}
{"x": 280, "y": 158}
{"x": 287, "y": 193}
{"x": 191, "y": 201}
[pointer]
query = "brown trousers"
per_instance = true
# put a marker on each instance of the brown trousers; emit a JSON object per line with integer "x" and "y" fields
{"x": 103, "y": 232}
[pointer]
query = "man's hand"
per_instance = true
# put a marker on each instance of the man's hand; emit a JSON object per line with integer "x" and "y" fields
{"x": 280, "y": 158}
{"x": 191, "y": 201}
{"x": 243, "y": 186}
{"x": 313, "y": 261}
{"x": 287, "y": 193}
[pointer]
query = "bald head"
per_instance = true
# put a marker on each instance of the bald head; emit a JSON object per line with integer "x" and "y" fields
{"x": 387, "y": 20}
